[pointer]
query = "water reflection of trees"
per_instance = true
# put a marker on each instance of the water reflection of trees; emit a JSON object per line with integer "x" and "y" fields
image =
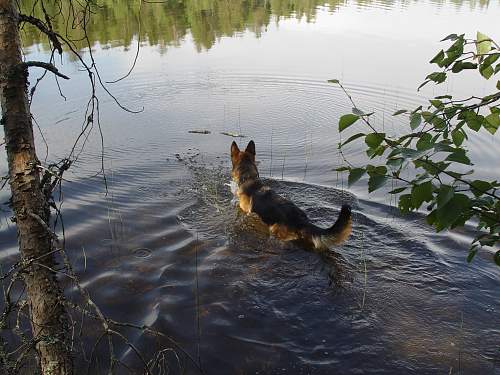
{"x": 167, "y": 23}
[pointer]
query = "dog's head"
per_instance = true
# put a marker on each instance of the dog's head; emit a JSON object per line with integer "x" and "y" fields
{"x": 244, "y": 167}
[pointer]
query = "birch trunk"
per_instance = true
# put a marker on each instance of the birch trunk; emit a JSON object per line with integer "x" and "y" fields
{"x": 49, "y": 319}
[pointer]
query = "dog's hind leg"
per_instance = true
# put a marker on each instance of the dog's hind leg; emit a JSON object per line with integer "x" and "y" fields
{"x": 283, "y": 233}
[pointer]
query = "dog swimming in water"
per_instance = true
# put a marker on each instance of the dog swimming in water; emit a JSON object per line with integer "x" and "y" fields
{"x": 285, "y": 220}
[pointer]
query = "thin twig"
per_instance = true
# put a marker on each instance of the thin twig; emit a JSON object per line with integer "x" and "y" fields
{"x": 44, "y": 29}
{"x": 197, "y": 297}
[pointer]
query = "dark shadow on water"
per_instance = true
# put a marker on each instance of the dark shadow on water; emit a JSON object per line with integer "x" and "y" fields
{"x": 396, "y": 298}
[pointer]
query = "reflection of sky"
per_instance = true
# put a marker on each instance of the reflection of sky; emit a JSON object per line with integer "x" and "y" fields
{"x": 381, "y": 54}
{"x": 389, "y": 47}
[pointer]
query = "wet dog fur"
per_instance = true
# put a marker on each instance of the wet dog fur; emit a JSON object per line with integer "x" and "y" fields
{"x": 285, "y": 220}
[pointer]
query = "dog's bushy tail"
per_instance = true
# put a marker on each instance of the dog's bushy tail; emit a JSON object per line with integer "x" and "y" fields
{"x": 336, "y": 234}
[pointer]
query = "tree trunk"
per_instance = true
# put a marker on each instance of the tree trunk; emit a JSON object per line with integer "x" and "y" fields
{"x": 49, "y": 319}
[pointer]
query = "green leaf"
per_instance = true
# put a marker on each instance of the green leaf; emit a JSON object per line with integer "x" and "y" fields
{"x": 405, "y": 203}
{"x": 431, "y": 167}
{"x": 469, "y": 65}
{"x": 381, "y": 170}
{"x": 445, "y": 193}
{"x": 437, "y": 77}
{"x": 450, "y": 37}
{"x": 492, "y": 122}
{"x": 347, "y": 120}
{"x": 351, "y": 138}
{"x": 342, "y": 169}
{"x": 415, "y": 120}
{"x": 401, "y": 111}
{"x": 458, "y": 137}
{"x": 480, "y": 187}
{"x": 438, "y": 58}
{"x": 461, "y": 65}
{"x": 452, "y": 210}
{"x": 450, "y": 112}
{"x": 374, "y": 140}
{"x": 375, "y": 182}
{"x": 423, "y": 84}
{"x": 438, "y": 122}
{"x": 444, "y": 97}
{"x": 395, "y": 162}
{"x": 398, "y": 190}
{"x": 436, "y": 137}
{"x": 333, "y": 81}
{"x": 354, "y": 175}
{"x": 443, "y": 146}
{"x": 428, "y": 116}
{"x": 488, "y": 240}
{"x": 457, "y": 67}
{"x": 490, "y": 60}
{"x": 394, "y": 152}
{"x": 372, "y": 152}
{"x": 455, "y": 51}
{"x": 431, "y": 219}
{"x": 458, "y": 175}
{"x": 486, "y": 71}
{"x": 483, "y": 43}
{"x": 472, "y": 254}
{"x": 424, "y": 142}
{"x": 459, "y": 156}
{"x": 473, "y": 120}
{"x": 421, "y": 193}
{"x": 436, "y": 103}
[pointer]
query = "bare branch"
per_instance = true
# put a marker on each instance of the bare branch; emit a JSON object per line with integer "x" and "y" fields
{"x": 46, "y": 66}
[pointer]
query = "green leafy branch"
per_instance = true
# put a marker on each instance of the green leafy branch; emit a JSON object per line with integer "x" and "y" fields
{"x": 435, "y": 147}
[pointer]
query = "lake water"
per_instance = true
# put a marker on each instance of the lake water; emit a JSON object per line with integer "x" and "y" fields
{"x": 166, "y": 247}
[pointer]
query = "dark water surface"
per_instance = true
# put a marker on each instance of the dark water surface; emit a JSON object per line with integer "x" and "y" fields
{"x": 167, "y": 248}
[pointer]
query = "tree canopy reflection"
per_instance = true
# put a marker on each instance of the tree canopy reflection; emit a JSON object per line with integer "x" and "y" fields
{"x": 168, "y": 22}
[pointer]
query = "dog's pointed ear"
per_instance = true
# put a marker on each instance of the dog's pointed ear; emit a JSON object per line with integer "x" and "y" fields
{"x": 251, "y": 148}
{"x": 234, "y": 149}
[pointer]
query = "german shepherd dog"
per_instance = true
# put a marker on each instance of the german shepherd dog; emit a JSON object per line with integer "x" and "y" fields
{"x": 285, "y": 220}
